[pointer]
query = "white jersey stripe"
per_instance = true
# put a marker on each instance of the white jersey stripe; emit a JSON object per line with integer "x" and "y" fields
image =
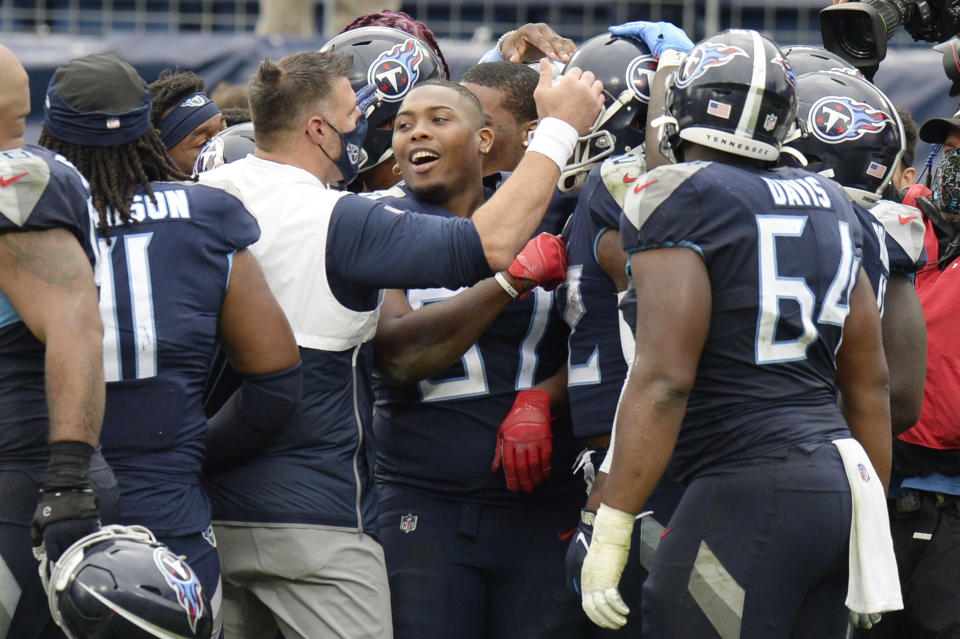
{"x": 751, "y": 106}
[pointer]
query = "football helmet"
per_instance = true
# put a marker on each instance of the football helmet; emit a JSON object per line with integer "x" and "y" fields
{"x": 734, "y": 92}
{"x": 806, "y": 59}
{"x": 626, "y": 68}
{"x": 851, "y": 133}
{"x": 394, "y": 62}
{"x": 121, "y": 583}
{"x": 230, "y": 144}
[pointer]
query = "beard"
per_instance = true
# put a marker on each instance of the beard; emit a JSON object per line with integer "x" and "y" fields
{"x": 431, "y": 194}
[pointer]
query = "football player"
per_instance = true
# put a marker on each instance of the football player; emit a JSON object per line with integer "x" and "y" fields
{"x": 600, "y": 345}
{"x": 406, "y": 23}
{"x": 298, "y": 531}
{"x": 50, "y": 353}
{"x": 183, "y": 114}
{"x": 746, "y": 275}
{"x": 924, "y": 505}
{"x": 472, "y": 550}
{"x": 395, "y": 62}
{"x": 854, "y": 135}
{"x": 505, "y": 91}
{"x": 175, "y": 278}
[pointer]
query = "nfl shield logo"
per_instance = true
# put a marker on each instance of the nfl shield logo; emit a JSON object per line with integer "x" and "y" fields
{"x": 864, "y": 475}
{"x": 408, "y": 523}
{"x": 770, "y": 122}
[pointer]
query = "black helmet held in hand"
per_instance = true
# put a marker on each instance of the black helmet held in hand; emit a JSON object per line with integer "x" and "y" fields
{"x": 121, "y": 583}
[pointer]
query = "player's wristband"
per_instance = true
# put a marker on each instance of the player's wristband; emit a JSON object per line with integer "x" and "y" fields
{"x": 69, "y": 465}
{"x": 502, "y": 281}
{"x": 587, "y": 517}
{"x": 555, "y": 139}
{"x": 671, "y": 58}
{"x": 612, "y": 526}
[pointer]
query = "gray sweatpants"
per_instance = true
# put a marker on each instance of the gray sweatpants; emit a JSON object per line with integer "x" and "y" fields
{"x": 307, "y": 582}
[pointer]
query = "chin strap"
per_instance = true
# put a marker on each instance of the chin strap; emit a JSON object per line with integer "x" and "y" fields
{"x": 796, "y": 155}
{"x": 668, "y": 136}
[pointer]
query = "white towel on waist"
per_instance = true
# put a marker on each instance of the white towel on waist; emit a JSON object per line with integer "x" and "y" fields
{"x": 874, "y": 585}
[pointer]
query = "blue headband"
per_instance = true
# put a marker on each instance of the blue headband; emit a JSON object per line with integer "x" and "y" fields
{"x": 185, "y": 117}
{"x": 93, "y": 128}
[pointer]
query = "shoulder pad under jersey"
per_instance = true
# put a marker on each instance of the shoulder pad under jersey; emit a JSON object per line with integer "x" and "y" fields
{"x": 621, "y": 172}
{"x": 652, "y": 189}
{"x": 24, "y": 178}
{"x": 904, "y": 224}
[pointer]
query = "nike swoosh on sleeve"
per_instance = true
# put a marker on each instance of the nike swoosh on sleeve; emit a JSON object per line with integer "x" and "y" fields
{"x": 5, "y": 182}
{"x": 641, "y": 187}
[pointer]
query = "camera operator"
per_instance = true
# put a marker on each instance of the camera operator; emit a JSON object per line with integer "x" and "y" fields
{"x": 945, "y": 131}
{"x": 925, "y": 510}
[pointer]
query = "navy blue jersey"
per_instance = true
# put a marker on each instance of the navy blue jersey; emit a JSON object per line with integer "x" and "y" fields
{"x": 903, "y": 260}
{"x": 559, "y": 209}
{"x": 782, "y": 248}
{"x": 903, "y": 231}
{"x": 163, "y": 283}
{"x": 892, "y": 243}
{"x": 876, "y": 260}
{"x": 439, "y": 435}
{"x": 40, "y": 190}
{"x": 596, "y": 366}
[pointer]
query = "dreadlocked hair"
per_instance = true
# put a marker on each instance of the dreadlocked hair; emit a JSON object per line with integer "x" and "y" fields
{"x": 170, "y": 89}
{"x": 116, "y": 172}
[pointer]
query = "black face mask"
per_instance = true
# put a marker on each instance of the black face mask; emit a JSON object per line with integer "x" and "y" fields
{"x": 946, "y": 183}
{"x": 352, "y": 154}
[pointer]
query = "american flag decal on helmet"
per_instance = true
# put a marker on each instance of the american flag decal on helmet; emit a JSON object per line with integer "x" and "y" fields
{"x": 876, "y": 170}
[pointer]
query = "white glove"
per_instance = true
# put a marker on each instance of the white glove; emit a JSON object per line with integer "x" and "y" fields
{"x": 603, "y": 565}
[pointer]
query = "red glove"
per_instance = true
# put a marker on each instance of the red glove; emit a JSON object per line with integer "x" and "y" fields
{"x": 543, "y": 260}
{"x": 525, "y": 440}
